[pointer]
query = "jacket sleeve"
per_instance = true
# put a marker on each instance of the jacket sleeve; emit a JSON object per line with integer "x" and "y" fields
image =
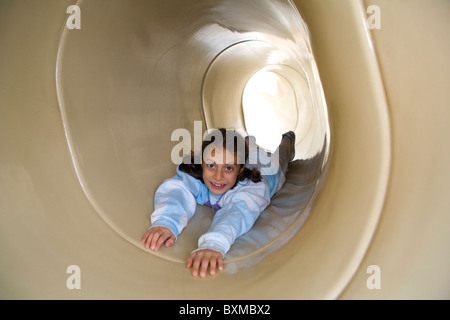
{"x": 176, "y": 201}
{"x": 236, "y": 217}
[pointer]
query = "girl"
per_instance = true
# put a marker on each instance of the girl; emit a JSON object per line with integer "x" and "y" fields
{"x": 233, "y": 180}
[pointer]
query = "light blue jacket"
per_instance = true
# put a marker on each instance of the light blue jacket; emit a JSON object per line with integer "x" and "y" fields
{"x": 177, "y": 198}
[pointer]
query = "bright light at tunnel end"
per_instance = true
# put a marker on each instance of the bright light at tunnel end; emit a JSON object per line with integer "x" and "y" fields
{"x": 263, "y": 83}
{"x": 269, "y": 107}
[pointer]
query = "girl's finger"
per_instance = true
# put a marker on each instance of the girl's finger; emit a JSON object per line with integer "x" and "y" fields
{"x": 196, "y": 265}
{"x": 190, "y": 260}
{"x": 220, "y": 263}
{"x": 212, "y": 266}
{"x": 148, "y": 239}
{"x": 204, "y": 266}
{"x": 160, "y": 241}
{"x": 144, "y": 238}
{"x": 147, "y": 243}
{"x": 170, "y": 241}
{"x": 154, "y": 240}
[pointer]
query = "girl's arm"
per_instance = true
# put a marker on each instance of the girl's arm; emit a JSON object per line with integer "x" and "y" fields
{"x": 175, "y": 202}
{"x": 174, "y": 205}
{"x": 237, "y": 216}
{"x": 240, "y": 210}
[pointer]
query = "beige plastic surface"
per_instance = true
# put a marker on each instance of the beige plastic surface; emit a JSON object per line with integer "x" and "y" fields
{"x": 384, "y": 201}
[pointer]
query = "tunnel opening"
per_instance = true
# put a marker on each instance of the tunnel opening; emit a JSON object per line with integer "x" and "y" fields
{"x": 269, "y": 106}
{"x": 261, "y": 86}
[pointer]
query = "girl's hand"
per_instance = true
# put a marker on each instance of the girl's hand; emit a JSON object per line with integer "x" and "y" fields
{"x": 155, "y": 237}
{"x": 201, "y": 259}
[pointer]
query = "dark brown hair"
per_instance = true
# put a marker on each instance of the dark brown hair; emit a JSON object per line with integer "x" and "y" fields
{"x": 195, "y": 169}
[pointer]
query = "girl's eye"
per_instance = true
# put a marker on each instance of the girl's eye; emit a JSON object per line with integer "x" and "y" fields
{"x": 229, "y": 169}
{"x": 210, "y": 165}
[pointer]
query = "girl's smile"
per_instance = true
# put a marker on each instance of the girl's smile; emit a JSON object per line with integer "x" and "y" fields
{"x": 218, "y": 186}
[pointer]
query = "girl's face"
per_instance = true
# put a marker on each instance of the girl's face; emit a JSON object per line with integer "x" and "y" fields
{"x": 220, "y": 170}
